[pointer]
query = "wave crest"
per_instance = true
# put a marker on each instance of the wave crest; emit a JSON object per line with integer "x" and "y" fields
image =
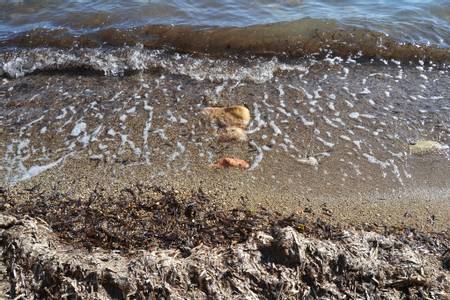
{"x": 307, "y": 37}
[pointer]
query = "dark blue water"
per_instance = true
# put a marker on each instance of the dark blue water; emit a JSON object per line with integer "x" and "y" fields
{"x": 423, "y": 22}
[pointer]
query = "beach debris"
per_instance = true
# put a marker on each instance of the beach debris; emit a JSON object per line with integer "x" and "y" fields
{"x": 150, "y": 242}
{"x": 231, "y": 134}
{"x": 230, "y": 162}
{"x": 286, "y": 263}
{"x": 232, "y": 121}
{"x": 426, "y": 147}
{"x": 231, "y": 116}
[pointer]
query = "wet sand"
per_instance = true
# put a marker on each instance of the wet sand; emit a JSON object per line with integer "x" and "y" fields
{"x": 73, "y": 132}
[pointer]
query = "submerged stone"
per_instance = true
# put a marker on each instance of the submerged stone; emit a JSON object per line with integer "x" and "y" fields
{"x": 232, "y": 134}
{"x": 230, "y": 162}
{"x": 426, "y": 147}
{"x": 231, "y": 116}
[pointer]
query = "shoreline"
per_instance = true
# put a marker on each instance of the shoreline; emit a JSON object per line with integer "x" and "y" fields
{"x": 423, "y": 208}
{"x": 337, "y": 190}
{"x": 83, "y": 130}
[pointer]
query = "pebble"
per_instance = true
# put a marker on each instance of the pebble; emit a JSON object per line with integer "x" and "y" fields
{"x": 310, "y": 161}
{"x": 426, "y": 147}
{"x": 228, "y": 162}
{"x": 232, "y": 116}
{"x": 231, "y": 134}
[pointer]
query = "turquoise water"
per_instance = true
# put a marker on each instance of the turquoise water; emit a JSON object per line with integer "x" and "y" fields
{"x": 424, "y": 22}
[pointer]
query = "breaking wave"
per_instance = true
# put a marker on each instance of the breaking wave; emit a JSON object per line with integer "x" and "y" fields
{"x": 117, "y": 51}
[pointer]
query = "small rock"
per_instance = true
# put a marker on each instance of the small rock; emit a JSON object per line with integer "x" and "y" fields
{"x": 232, "y": 116}
{"x": 310, "y": 161}
{"x": 231, "y": 134}
{"x": 229, "y": 162}
{"x": 426, "y": 147}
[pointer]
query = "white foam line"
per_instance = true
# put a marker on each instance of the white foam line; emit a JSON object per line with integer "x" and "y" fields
{"x": 131, "y": 110}
{"x": 373, "y": 160}
{"x": 259, "y": 121}
{"x": 306, "y": 122}
{"x": 358, "y": 144}
{"x": 259, "y": 157}
{"x": 345, "y": 88}
{"x": 23, "y": 128}
{"x": 328, "y": 144}
{"x": 316, "y": 93}
{"x": 147, "y": 127}
{"x": 220, "y": 88}
{"x": 16, "y": 170}
{"x": 116, "y": 96}
{"x": 36, "y": 170}
{"x": 310, "y": 161}
{"x": 14, "y": 159}
{"x": 95, "y": 133}
{"x": 35, "y": 121}
{"x": 368, "y": 116}
{"x": 79, "y": 127}
{"x": 396, "y": 171}
{"x": 162, "y": 134}
{"x": 283, "y": 111}
{"x": 339, "y": 120}
{"x": 266, "y": 97}
{"x": 125, "y": 140}
{"x": 281, "y": 91}
{"x": 174, "y": 155}
{"x": 329, "y": 122}
{"x": 308, "y": 95}
{"x": 275, "y": 128}
{"x": 171, "y": 117}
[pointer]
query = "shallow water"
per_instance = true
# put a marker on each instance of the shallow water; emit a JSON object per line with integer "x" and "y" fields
{"x": 414, "y": 21}
{"x": 356, "y": 120}
{"x": 88, "y": 99}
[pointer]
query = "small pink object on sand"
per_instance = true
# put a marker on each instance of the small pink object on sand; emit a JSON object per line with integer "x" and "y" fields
{"x": 229, "y": 162}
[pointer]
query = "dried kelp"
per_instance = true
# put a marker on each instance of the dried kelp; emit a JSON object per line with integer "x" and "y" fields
{"x": 187, "y": 248}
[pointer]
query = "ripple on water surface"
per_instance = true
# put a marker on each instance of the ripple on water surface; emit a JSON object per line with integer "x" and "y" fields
{"x": 407, "y": 20}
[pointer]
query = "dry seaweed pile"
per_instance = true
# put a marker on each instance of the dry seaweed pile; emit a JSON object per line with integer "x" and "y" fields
{"x": 143, "y": 218}
{"x": 188, "y": 248}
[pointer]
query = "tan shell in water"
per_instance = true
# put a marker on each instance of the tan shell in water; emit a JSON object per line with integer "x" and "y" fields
{"x": 232, "y": 116}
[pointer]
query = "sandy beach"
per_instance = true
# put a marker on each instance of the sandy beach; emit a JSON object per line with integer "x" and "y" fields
{"x": 123, "y": 165}
{"x": 75, "y": 133}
